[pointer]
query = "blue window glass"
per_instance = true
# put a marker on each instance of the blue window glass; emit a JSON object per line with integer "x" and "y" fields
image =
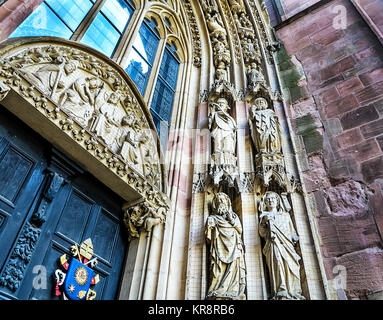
{"x": 138, "y": 70}
{"x": 70, "y": 11}
{"x": 162, "y": 128}
{"x": 162, "y": 100}
{"x": 101, "y": 35}
{"x": 42, "y": 22}
{"x": 141, "y": 57}
{"x": 163, "y": 97}
{"x": 118, "y": 12}
{"x": 169, "y": 69}
{"x": 54, "y": 18}
{"x": 106, "y": 29}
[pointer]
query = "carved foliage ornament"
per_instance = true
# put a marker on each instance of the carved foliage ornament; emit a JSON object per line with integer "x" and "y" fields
{"x": 143, "y": 217}
{"x": 90, "y": 101}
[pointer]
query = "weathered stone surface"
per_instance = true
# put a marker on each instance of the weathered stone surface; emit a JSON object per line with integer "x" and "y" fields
{"x": 372, "y": 169}
{"x": 341, "y": 106}
{"x": 359, "y": 116}
{"x": 347, "y": 199}
{"x": 316, "y": 178}
{"x": 344, "y": 234}
{"x": 372, "y": 129}
{"x": 349, "y": 138}
{"x": 362, "y": 151}
{"x": 364, "y": 271}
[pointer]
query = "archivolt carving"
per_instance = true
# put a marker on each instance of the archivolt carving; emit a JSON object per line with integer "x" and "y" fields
{"x": 91, "y": 102}
{"x": 195, "y": 34}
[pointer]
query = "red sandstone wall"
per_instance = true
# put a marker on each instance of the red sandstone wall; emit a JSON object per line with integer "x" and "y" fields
{"x": 340, "y": 123}
{"x": 12, "y": 13}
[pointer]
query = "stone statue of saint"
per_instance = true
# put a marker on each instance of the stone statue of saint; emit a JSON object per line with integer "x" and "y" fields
{"x": 222, "y": 127}
{"x": 264, "y": 128}
{"x": 277, "y": 228}
{"x": 227, "y": 264}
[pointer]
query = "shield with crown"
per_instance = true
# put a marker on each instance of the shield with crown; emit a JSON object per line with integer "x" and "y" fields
{"x": 76, "y": 283}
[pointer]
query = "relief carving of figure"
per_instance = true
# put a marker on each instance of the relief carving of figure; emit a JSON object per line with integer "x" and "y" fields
{"x": 81, "y": 98}
{"x": 215, "y": 25}
{"x": 223, "y": 127}
{"x": 128, "y": 138}
{"x": 104, "y": 123}
{"x": 227, "y": 264}
{"x": 276, "y": 227}
{"x": 49, "y": 77}
{"x": 254, "y": 76}
{"x": 237, "y": 5}
{"x": 251, "y": 51}
{"x": 264, "y": 128}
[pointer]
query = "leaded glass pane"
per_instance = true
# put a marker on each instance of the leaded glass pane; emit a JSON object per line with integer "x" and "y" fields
{"x": 162, "y": 129}
{"x": 72, "y": 12}
{"x": 138, "y": 70}
{"x": 101, "y": 35}
{"x": 118, "y": 12}
{"x": 169, "y": 69}
{"x": 162, "y": 100}
{"x": 42, "y": 22}
{"x": 146, "y": 43}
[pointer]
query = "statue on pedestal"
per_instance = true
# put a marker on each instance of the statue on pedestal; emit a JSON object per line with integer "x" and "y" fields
{"x": 264, "y": 128}
{"x": 276, "y": 227}
{"x": 227, "y": 264}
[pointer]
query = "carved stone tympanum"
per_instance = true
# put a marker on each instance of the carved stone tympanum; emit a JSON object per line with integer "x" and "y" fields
{"x": 227, "y": 265}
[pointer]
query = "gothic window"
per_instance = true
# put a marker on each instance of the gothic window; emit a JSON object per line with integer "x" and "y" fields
{"x": 162, "y": 102}
{"x": 62, "y": 18}
{"x": 152, "y": 58}
{"x": 106, "y": 29}
{"x": 141, "y": 58}
{"x": 54, "y": 18}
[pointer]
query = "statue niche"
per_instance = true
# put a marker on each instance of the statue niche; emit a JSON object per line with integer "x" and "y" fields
{"x": 264, "y": 128}
{"x": 276, "y": 227}
{"x": 223, "y": 130}
{"x": 223, "y": 231}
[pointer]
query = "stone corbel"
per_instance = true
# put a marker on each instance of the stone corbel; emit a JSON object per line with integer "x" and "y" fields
{"x": 142, "y": 217}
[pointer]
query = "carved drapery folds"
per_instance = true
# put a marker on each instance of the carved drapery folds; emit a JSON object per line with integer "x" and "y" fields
{"x": 227, "y": 280}
{"x": 282, "y": 259}
{"x": 223, "y": 130}
{"x": 93, "y": 103}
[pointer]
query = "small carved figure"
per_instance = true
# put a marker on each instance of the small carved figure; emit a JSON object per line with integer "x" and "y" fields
{"x": 49, "y": 77}
{"x": 104, "y": 124}
{"x": 128, "y": 138}
{"x": 282, "y": 260}
{"x": 215, "y": 25}
{"x": 227, "y": 264}
{"x": 254, "y": 76}
{"x": 264, "y": 128}
{"x": 223, "y": 127}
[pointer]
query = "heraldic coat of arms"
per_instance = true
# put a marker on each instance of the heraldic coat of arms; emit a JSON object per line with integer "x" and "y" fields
{"x": 75, "y": 283}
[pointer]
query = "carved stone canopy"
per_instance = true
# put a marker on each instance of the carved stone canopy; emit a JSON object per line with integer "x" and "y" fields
{"x": 86, "y": 105}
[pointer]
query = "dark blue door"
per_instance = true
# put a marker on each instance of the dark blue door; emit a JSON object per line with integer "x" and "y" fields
{"x": 47, "y": 204}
